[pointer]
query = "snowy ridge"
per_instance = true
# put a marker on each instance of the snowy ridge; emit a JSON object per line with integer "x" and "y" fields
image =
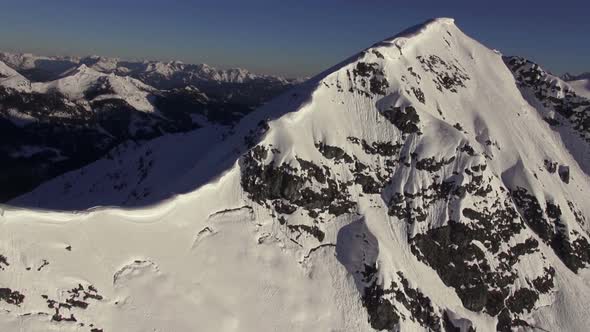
{"x": 10, "y": 78}
{"x": 417, "y": 186}
{"x": 46, "y": 66}
{"x": 84, "y": 83}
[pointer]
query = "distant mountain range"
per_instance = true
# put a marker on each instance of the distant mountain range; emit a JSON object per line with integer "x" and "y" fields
{"x": 171, "y": 74}
{"x": 571, "y": 77}
{"x": 60, "y": 113}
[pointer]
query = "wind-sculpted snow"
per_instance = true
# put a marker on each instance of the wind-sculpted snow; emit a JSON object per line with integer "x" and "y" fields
{"x": 412, "y": 187}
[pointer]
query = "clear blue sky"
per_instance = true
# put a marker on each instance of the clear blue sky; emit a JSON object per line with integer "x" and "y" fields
{"x": 293, "y": 38}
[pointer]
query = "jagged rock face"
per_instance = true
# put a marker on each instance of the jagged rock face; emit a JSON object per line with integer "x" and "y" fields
{"x": 416, "y": 186}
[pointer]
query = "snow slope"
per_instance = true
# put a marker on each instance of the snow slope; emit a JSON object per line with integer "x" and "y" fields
{"x": 84, "y": 83}
{"x": 419, "y": 185}
{"x": 582, "y": 87}
{"x": 10, "y": 78}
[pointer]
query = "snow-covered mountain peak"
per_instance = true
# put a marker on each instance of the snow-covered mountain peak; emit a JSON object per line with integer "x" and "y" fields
{"x": 433, "y": 125}
{"x": 432, "y": 26}
{"x": 85, "y": 83}
{"x": 163, "y": 68}
{"x": 83, "y": 69}
{"x": 424, "y": 184}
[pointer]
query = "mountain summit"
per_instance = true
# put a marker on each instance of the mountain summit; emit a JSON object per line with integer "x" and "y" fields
{"x": 425, "y": 184}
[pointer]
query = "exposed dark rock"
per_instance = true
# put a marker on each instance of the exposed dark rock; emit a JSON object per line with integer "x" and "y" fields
{"x": 572, "y": 249}
{"x": 419, "y": 95}
{"x": 378, "y": 54}
{"x": 448, "y": 325}
{"x": 385, "y": 149}
{"x": 564, "y": 173}
{"x": 254, "y": 135}
{"x": 102, "y": 86}
{"x": 444, "y": 75}
{"x": 544, "y": 284}
{"x": 59, "y": 318}
{"x": 311, "y": 230}
{"x": 468, "y": 149}
{"x": 282, "y": 207}
{"x": 3, "y": 261}
{"x": 551, "y": 121}
{"x": 44, "y": 263}
{"x": 406, "y": 119}
{"x": 382, "y": 314}
{"x": 550, "y": 166}
{"x": 461, "y": 264}
{"x": 77, "y": 298}
{"x": 513, "y": 254}
{"x": 11, "y": 297}
{"x": 432, "y": 165}
{"x": 269, "y": 182}
{"x": 182, "y": 104}
{"x": 523, "y": 299}
{"x": 369, "y": 75}
{"x": 312, "y": 170}
{"x": 266, "y": 182}
{"x": 333, "y": 152}
{"x": 419, "y": 305}
{"x": 368, "y": 183}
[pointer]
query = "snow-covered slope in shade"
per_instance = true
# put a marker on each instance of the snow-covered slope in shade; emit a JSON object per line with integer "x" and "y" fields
{"x": 10, "y": 78}
{"x": 580, "y": 83}
{"x": 84, "y": 83}
{"x": 582, "y": 87}
{"x": 130, "y": 174}
{"x": 411, "y": 187}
